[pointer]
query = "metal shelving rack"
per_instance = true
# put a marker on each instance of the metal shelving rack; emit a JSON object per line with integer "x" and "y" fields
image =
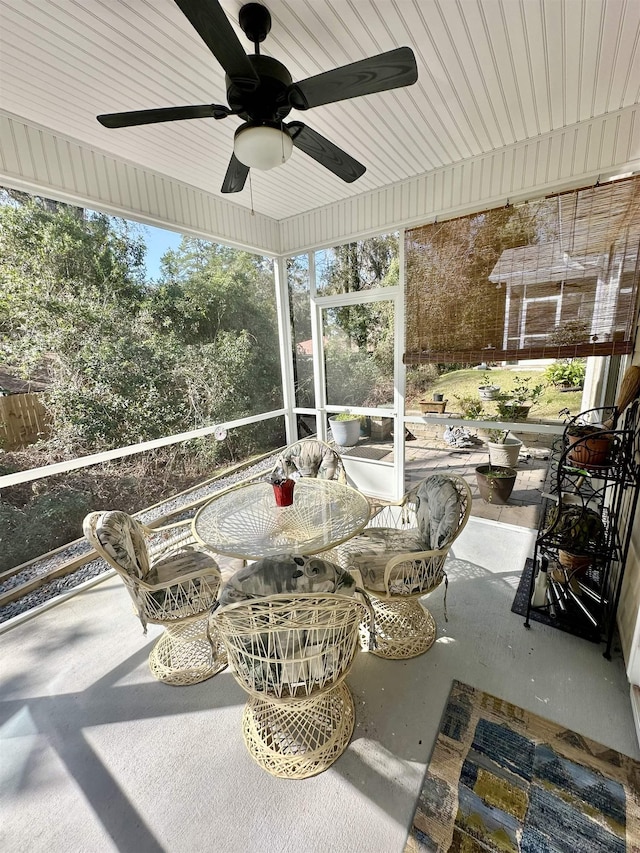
{"x": 577, "y": 595}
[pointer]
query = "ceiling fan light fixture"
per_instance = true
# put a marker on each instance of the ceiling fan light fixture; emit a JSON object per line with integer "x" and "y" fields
{"x": 262, "y": 146}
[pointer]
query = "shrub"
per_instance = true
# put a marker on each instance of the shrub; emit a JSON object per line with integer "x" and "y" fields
{"x": 351, "y": 377}
{"x": 472, "y": 408}
{"x": 49, "y": 520}
{"x": 522, "y": 394}
{"x": 420, "y": 379}
{"x": 567, "y": 371}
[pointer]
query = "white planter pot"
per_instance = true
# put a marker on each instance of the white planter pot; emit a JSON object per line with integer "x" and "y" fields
{"x": 489, "y": 392}
{"x": 345, "y": 433}
{"x": 505, "y": 453}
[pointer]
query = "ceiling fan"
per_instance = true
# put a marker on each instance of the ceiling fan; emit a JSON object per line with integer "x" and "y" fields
{"x": 261, "y": 91}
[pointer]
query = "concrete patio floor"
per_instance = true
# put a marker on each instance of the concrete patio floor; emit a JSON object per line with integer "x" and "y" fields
{"x": 97, "y": 756}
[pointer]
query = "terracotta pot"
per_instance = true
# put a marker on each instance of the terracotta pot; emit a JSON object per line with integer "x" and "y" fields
{"x": 588, "y": 450}
{"x": 284, "y": 492}
{"x": 495, "y": 490}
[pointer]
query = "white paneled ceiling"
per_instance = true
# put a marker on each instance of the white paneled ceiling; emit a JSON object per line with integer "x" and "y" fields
{"x": 491, "y": 73}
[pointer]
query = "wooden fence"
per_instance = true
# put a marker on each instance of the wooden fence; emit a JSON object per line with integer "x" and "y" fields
{"x": 23, "y": 420}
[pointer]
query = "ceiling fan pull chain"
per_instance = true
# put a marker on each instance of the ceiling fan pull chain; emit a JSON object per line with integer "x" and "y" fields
{"x": 253, "y": 213}
{"x": 283, "y": 131}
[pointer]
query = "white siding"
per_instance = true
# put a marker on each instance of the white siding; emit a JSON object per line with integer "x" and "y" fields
{"x": 36, "y": 160}
{"x": 574, "y": 156}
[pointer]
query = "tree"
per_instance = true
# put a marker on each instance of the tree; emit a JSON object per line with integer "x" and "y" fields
{"x": 221, "y": 301}
{"x": 127, "y": 360}
{"x": 59, "y": 269}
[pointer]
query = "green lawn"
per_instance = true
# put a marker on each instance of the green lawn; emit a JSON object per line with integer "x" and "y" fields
{"x": 465, "y": 383}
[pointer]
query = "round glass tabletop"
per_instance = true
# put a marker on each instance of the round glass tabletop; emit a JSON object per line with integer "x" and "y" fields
{"x": 245, "y": 522}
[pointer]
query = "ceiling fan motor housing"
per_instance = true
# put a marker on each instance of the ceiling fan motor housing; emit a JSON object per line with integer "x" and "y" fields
{"x": 268, "y": 101}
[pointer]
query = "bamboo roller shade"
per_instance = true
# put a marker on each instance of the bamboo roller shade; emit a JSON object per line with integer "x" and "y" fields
{"x": 554, "y": 278}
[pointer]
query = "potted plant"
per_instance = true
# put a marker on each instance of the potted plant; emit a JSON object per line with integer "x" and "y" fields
{"x": 517, "y": 403}
{"x": 503, "y": 448}
{"x": 495, "y": 483}
{"x": 345, "y": 429}
{"x": 589, "y": 445}
{"x": 577, "y": 530}
{"x": 488, "y": 391}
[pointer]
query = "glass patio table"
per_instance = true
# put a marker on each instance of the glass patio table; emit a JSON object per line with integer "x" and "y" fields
{"x": 245, "y": 522}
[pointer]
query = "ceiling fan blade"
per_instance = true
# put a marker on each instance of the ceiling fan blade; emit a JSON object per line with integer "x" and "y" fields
{"x": 215, "y": 30}
{"x": 135, "y": 117}
{"x": 389, "y": 70}
{"x": 325, "y": 152}
{"x": 236, "y": 176}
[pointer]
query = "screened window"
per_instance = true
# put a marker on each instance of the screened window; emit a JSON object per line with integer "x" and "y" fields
{"x": 300, "y": 317}
{"x": 357, "y": 266}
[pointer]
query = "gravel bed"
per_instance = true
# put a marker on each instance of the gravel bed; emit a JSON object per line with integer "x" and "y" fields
{"x": 99, "y": 566}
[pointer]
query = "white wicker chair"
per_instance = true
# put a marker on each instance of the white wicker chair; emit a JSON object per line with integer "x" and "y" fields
{"x": 173, "y": 582}
{"x": 291, "y": 653}
{"x": 388, "y": 559}
{"x": 311, "y": 457}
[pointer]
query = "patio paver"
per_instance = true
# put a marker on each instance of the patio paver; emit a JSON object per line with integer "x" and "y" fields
{"x": 422, "y": 460}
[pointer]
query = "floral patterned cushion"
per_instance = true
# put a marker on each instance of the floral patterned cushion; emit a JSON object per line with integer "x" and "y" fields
{"x": 285, "y": 573}
{"x": 371, "y": 550}
{"x": 123, "y": 539}
{"x": 292, "y": 657}
{"x": 311, "y": 458}
{"x": 188, "y": 559}
{"x": 437, "y": 510}
{"x": 174, "y": 567}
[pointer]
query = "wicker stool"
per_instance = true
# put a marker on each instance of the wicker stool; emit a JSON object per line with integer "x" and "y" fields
{"x": 291, "y": 653}
{"x": 187, "y": 653}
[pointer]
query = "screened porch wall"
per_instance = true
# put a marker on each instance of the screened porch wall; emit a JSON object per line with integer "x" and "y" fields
{"x": 36, "y": 160}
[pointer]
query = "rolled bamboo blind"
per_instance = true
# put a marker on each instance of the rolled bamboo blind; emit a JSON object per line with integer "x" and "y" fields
{"x": 554, "y": 278}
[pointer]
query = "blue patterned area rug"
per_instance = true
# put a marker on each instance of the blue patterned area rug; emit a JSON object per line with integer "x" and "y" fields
{"x": 501, "y": 779}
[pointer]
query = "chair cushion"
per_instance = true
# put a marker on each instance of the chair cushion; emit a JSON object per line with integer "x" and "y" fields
{"x": 310, "y": 459}
{"x": 122, "y": 537}
{"x": 173, "y": 567}
{"x": 285, "y": 574}
{"x": 188, "y": 559}
{"x": 371, "y": 550}
{"x": 437, "y": 511}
